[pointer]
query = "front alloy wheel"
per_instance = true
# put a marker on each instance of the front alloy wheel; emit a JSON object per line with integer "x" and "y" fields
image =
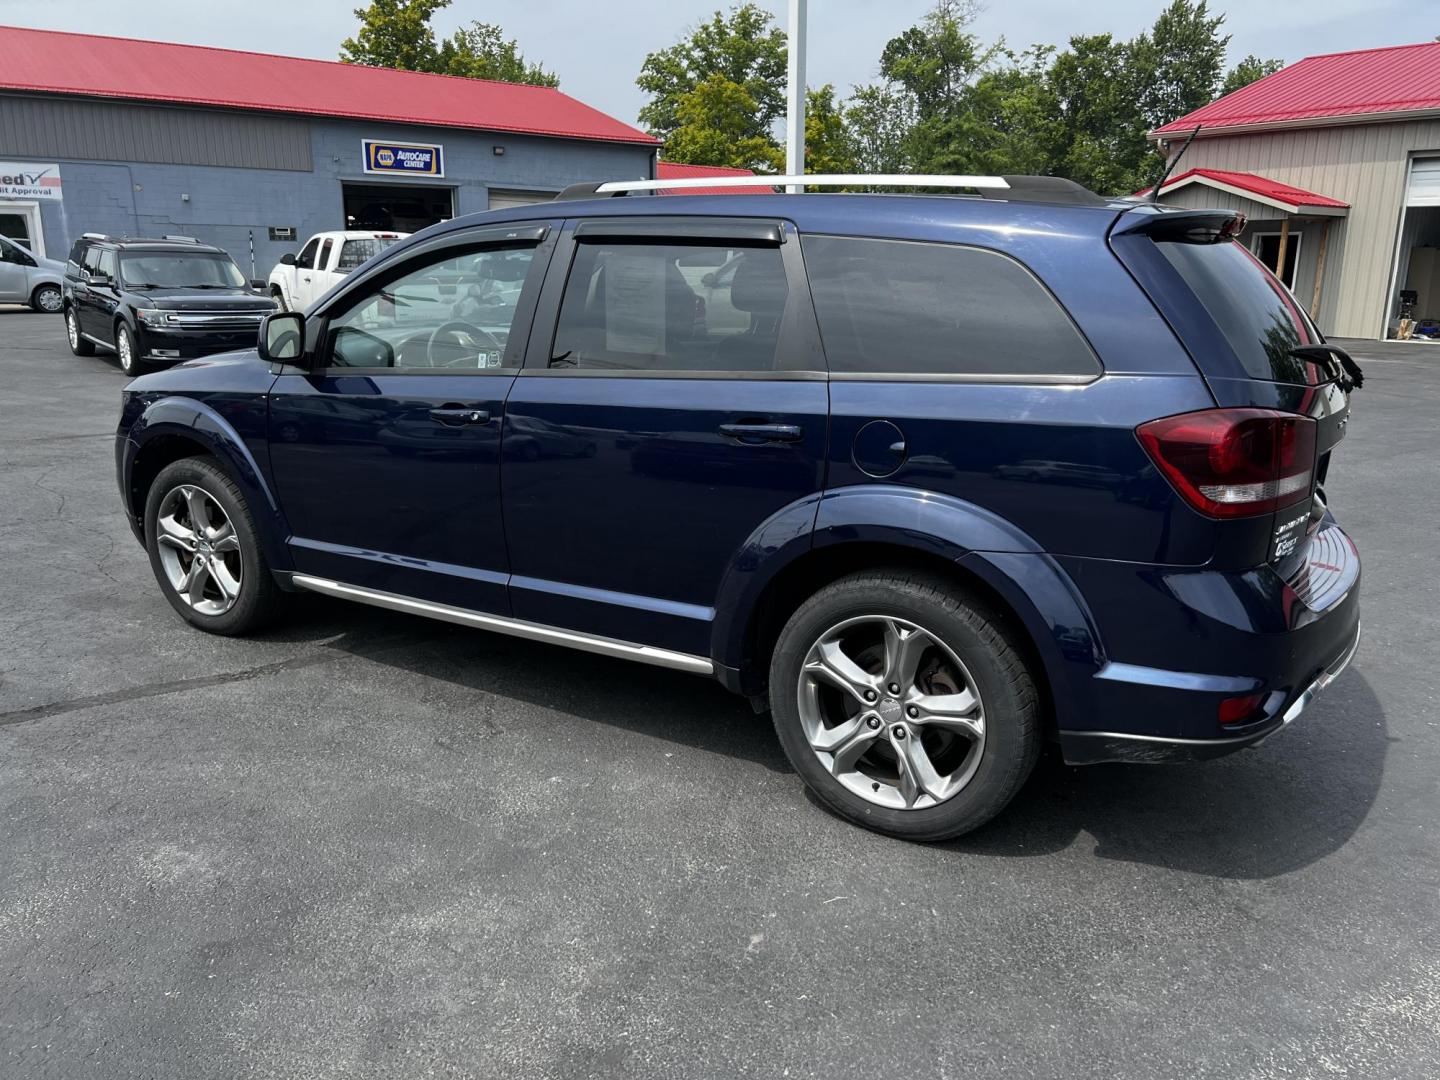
{"x": 125, "y": 349}
{"x": 891, "y": 712}
{"x": 199, "y": 550}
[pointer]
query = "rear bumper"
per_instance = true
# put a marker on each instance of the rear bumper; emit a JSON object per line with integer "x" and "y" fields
{"x": 1178, "y": 643}
{"x": 1095, "y": 747}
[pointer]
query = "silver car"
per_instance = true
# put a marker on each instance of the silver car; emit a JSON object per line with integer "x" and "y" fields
{"x": 26, "y": 278}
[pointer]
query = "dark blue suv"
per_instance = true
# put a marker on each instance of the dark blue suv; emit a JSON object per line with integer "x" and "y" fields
{"x": 933, "y": 479}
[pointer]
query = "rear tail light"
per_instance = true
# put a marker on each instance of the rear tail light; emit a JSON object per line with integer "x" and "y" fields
{"x": 1230, "y": 463}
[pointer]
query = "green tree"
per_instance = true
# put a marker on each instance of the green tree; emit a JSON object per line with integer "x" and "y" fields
{"x": 480, "y": 51}
{"x": 880, "y": 118}
{"x": 1102, "y": 131}
{"x": 715, "y": 126}
{"x": 1014, "y": 123}
{"x": 1249, "y": 70}
{"x": 744, "y": 48}
{"x": 828, "y": 144}
{"x": 394, "y": 34}
{"x": 1176, "y": 67}
{"x": 398, "y": 34}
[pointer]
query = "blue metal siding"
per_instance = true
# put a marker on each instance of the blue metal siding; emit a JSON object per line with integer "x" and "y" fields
{"x": 228, "y": 206}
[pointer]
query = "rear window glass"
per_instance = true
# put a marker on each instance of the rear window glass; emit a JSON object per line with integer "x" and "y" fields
{"x": 356, "y": 252}
{"x": 905, "y": 308}
{"x": 1258, "y": 316}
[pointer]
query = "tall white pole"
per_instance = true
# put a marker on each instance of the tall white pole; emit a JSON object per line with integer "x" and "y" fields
{"x": 795, "y": 95}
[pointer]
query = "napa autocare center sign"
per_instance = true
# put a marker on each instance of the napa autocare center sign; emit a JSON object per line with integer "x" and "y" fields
{"x": 27, "y": 180}
{"x": 408, "y": 159}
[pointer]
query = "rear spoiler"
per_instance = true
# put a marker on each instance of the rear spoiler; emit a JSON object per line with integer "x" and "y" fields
{"x": 1177, "y": 225}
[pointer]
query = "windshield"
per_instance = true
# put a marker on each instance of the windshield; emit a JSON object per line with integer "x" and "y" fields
{"x": 356, "y": 252}
{"x": 180, "y": 270}
{"x": 1256, "y": 313}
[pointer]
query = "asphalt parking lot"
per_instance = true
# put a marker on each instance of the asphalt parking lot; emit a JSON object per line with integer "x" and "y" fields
{"x": 366, "y": 845}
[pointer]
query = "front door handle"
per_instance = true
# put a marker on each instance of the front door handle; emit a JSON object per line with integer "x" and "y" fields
{"x": 456, "y": 415}
{"x": 762, "y": 432}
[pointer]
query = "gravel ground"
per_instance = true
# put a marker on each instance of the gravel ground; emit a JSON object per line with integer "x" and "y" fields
{"x": 371, "y": 846}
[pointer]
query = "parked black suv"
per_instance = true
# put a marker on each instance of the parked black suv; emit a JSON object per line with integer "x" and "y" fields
{"x": 157, "y": 302}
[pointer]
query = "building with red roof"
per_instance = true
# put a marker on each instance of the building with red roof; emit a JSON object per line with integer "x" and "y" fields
{"x": 673, "y": 170}
{"x": 1335, "y": 161}
{"x": 255, "y": 152}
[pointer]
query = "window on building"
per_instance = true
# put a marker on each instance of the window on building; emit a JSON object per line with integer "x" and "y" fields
{"x": 897, "y": 307}
{"x": 454, "y": 312}
{"x": 671, "y": 307}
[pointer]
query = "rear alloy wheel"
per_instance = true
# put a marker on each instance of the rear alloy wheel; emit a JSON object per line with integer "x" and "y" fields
{"x": 47, "y": 299}
{"x": 205, "y": 551}
{"x": 80, "y": 346}
{"x": 903, "y": 704}
{"x": 125, "y": 349}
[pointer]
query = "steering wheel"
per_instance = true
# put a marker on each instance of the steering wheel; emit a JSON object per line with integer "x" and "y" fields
{"x": 456, "y": 329}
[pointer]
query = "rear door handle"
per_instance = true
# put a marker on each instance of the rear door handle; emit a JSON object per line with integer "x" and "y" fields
{"x": 761, "y": 432}
{"x": 456, "y": 415}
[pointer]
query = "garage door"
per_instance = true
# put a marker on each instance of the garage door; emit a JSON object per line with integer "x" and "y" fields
{"x": 503, "y": 200}
{"x": 1424, "y": 183}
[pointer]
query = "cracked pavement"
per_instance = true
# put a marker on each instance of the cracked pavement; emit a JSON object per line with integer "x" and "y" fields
{"x": 365, "y": 845}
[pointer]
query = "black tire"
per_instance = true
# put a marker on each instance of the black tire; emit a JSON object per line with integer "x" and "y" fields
{"x": 127, "y": 352}
{"x": 258, "y": 600}
{"x": 278, "y": 295}
{"x": 80, "y": 346}
{"x": 47, "y": 299}
{"x": 983, "y": 644}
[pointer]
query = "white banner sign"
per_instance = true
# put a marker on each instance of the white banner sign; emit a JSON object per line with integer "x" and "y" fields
{"x": 26, "y": 180}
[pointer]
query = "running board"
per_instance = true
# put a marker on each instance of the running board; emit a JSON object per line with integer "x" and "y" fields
{"x": 499, "y": 624}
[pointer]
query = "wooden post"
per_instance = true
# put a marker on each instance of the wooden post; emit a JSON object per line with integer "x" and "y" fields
{"x": 1284, "y": 244}
{"x": 1319, "y": 270}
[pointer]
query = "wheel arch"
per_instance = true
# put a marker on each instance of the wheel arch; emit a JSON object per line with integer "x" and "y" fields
{"x": 924, "y": 531}
{"x": 173, "y": 428}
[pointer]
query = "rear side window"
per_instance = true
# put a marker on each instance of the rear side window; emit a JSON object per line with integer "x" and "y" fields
{"x": 1258, "y": 316}
{"x": 671, "y": 307}
{"x": 324, "y": 260}
{"x": 355, "y": 252}
{"x": 895, "y": 307}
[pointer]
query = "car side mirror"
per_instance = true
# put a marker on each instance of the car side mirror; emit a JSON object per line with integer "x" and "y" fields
{"x": 94, "y": 280}
{"x": 257, "y": 284}
{"x": 288, "y": 259}
{"x": 282, "y": 337}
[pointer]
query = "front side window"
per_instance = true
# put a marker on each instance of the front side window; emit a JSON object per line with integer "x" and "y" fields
{"x": 105, "y": 266}
{"x": 453, "y": 313}
{"x": 91, "y": 265}
{"x": 306, "y": 259}
{"x": 180, "y": 270}
{"x": 897, "y": 307}
{"x": 671, "y": 307}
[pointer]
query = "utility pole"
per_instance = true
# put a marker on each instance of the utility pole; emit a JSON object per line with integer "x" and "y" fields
{"x": 795, "y": 95}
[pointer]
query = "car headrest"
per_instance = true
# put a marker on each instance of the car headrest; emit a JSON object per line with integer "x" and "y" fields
{"x": 759, "y": 284}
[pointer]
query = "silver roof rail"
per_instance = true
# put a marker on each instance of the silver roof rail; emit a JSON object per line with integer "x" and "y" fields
{"x": 617, "y": 187}
{"x": 177, "y": 236}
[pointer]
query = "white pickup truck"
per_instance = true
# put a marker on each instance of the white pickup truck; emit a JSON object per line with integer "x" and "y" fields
{"x": 299, "y": 280}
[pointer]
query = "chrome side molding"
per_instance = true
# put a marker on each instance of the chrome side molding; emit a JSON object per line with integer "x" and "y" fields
{"x": 625, "y": 650}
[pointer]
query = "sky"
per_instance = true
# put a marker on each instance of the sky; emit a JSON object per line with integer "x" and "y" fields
{"x": 597, "y": 46}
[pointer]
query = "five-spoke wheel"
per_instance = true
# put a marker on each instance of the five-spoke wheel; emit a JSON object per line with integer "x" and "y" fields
{"x": 199, "y": 550}
{"x": 903, "y": 702}
{"x": 891, "y": 712}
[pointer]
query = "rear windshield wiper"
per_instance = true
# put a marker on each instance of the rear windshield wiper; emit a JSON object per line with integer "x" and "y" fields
{"x": 1335, "y": 360}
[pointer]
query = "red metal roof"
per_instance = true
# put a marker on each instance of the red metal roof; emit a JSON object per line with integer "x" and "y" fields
{"x": 1285, "y": 196}
{"x": 673, "y": 170}
{"x": 52, "y": 62}
{"x": 1337, "y": 87}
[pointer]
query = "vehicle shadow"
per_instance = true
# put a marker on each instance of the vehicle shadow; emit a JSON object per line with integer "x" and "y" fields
{"x": 1256, "y": 814}
{"x": 684, "y": 709}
